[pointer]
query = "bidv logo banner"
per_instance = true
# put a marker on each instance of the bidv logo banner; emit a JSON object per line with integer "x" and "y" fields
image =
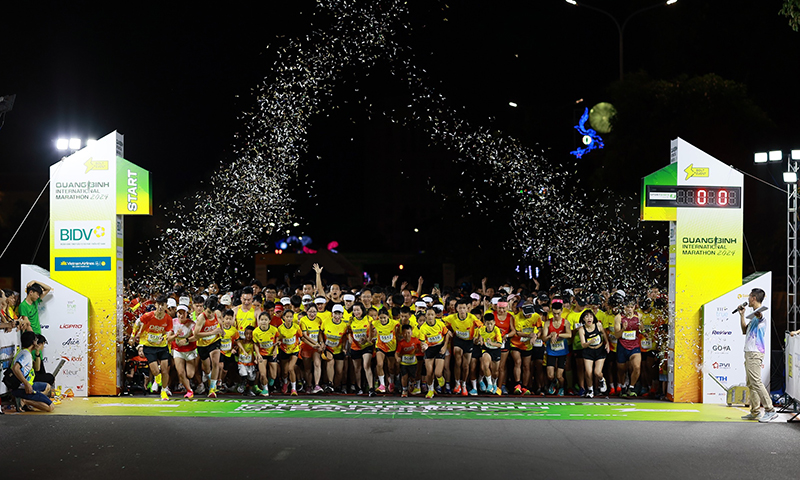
{"x": 74, "y": 234}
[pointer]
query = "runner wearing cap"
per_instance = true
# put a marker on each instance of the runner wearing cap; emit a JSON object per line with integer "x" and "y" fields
{"x": 311, "y": 348}
{"x": 463, "y": 324}
{"x": 574, "y": 319}
{"x": 333, "y": 332}
{"x": 184, "y": 348}
{"x": 522, "y": 348}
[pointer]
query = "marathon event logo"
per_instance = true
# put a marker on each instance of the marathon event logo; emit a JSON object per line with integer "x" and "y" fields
{"x": 708, "y": 246}
{"x": 82, "y": 234}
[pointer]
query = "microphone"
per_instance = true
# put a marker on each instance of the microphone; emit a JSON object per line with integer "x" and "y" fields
{"x": 740, "y": 307}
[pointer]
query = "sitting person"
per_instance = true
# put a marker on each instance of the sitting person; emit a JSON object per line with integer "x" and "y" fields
{"x": 30, "y": 393}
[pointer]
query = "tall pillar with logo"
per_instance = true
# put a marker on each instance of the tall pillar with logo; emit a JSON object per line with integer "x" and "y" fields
{"x": 90, "y": 192}
{"x": 702, "y": 199}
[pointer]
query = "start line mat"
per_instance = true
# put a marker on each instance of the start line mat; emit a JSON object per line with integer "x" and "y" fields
{"x": 504, "y": 409}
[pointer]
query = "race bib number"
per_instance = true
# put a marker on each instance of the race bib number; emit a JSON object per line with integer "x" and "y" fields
{"x": 409, "y": 359}
{"x": 265, "y": 345}
{"x": 557, "y": 345}
{"x": 538, "y": 343}
{"x": 241, "y": 333}
{"x": 434, "y": 339}
{"x": 646, "y": 344}
{"x": 313, "y": 336}
{"x": 524, "y": 339}
{"x": 595, "y": 341}
{"x": 386, "y": 338}
{"x": 154, "y": 338}
{"x": 289, "y": 341}
{"x": 360, "y": 337}
{"x": 462, "y": 335}
{"x": 332, "y": 342}
{"x": 226, "y": 344}
{"x": 629, "y": 334}
{"x": 244, "y": 358}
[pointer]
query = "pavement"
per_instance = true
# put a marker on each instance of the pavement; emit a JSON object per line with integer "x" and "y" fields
{"x": 352, "y": 437}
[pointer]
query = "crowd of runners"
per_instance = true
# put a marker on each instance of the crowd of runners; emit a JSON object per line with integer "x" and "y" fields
{"x": 330, "y": 339}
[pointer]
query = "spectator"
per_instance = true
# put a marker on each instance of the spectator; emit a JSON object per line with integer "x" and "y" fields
{"x": 30, "y": 394}
{"x": 38, "y": 362}
{"x": 29, "y": 308}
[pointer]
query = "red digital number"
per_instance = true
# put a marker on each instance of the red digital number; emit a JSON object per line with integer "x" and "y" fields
{"x": 722, "y": 198}
{"x": 702, "y": 197}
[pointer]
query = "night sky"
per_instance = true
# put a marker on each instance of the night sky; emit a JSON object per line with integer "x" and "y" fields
{"x": 174, "y": 80}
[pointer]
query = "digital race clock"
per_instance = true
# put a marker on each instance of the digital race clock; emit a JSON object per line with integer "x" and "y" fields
{"x": 693, "y": 196}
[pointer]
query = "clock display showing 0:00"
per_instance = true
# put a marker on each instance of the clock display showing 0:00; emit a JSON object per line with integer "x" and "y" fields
{"x": 707, "y": 197}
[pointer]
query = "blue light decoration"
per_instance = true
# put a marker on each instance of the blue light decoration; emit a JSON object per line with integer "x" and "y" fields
{"x": 591, "y": 139}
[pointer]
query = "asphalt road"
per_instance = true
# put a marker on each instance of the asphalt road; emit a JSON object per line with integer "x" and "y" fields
{"x": 240, "y": 448}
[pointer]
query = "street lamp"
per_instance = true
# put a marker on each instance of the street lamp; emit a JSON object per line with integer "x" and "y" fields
{"x": 621, "y": 28}
{"x": 73, "y": 143}
{"x": 790, "y": 178}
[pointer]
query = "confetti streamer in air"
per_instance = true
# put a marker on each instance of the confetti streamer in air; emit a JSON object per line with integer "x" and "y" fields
{"x": 248, "y": 199}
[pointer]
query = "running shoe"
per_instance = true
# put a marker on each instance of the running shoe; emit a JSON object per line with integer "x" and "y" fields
{"x": 285, "y": 388}
{"x": 447, "y": 389}
{"x": 623, "y": 393}
{"x": 294, "y": 392}
{"x": 525, "y": 391}
{"x": 581, "y": 392}
{"x": 429, "y": 394}
{"x": 164, "y": 394}
{"x": 251, "y": 392}
{"x": 329, "y": 388}
{"x": 205, "y": 377}
{"x": 265, "y": 392}
{"x": 240, "y": 388}
{"x": 560, "y": 392}
{"x": 169, "y": 392}
{"x": 360, "y": 392}
{"x": 551, "y": 390}
{"x": 503, "y": 390}
{"x": 201, "y": 389}
{"x": 768, "y": 416}
{"x": 464, "y": 391}
{"x": 371, "y": 392}
{"x": 438, "y": 389}
{"x": 751, "y": 416}
{"x": 603, "y": 386}
{"x": 631, "y": 392}
{"x": 352, "y": 389}
{"x": 404, "y": 394}
{"x": 457, "y": 390}
{"x": 212, "y": 393}
{"x": 482, "y": 385}
{"x": 416, "y": 391}
{"x": 316, "y": 390}
{"x": 381, "y": 389}
{"x": 518, "y": 389}
{"x": 570, "y": 392}
{"x": 473, "y": 392}
{"x": 391, "y": 388}
{"x": 153, "y": 387}
{"x": 590, "y": 393}
{"x": 189, "y": 395}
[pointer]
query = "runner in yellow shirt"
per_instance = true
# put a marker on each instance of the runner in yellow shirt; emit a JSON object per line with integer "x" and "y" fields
{"x": 436, "y": 335}
{"x": 463, "y": 325}
{"x": 491, "y": 339}
{"x": 228, "y": 347}
{"x": 311, "y": 349}
{"x": 385, "y": 332}
{"x": 289, "y": 334}
{"x": 361, "y": 347}
{"x": 333, "y": 333}
{"x": 265, "y": 339}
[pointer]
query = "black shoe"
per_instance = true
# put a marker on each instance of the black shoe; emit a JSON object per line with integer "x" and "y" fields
{"x": 371, "y": 392}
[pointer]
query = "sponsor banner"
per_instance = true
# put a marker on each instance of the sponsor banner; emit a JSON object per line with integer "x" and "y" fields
{"x": 723, "y": 341}
{"x": 64, "y": 315}
{"x": 349, "y": 407}
{"x": 81, "y": 234}
{"x": 793, "y": 366}
{"x": 82, "y": 264}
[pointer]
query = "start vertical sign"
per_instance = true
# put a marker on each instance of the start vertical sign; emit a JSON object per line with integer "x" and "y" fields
{"x": 90, "y": 191}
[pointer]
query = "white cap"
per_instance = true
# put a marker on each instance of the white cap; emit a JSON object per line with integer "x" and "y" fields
{"x": 621, "y": 293}
{"x": 349, "y": 297}
{"x": 183, "y": 307}
{"x": 427, "y": 299}
{"x": 320, "y": 300}
{"x": 225, "y": 300}
{"x": 439, "y": 307}
{"x": 286, "y": 300}
{"x": 421, "y": 305}
{"x": 171, "y": 303}
{"x": 338, "y": 308}
{"x": 307, "y": 299}
{"x": 475, "y": 296}
{"x": 205, "y": 297}
{"x": 184, "y": 301}
{"x": 495, "y": 300}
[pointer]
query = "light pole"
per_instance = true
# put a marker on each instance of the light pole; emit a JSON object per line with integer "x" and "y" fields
{"x": 621, "y": 28}
{"x": 790, "y": 177}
